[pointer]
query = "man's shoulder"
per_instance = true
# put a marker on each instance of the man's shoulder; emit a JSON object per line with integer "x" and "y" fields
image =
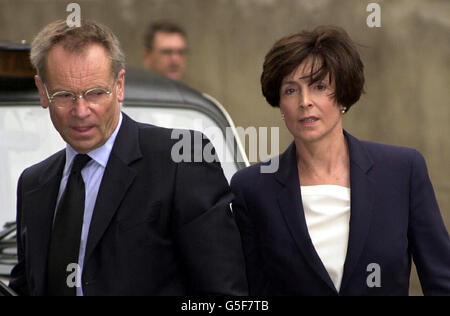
{"x": 162, "y": 138}
{"x": 150, "y": 130}
{"x": 35, "y": 171}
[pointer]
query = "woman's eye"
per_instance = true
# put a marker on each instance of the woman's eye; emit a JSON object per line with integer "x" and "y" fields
{"x": 289, "y": 91}
{"x": 321, "y": 86}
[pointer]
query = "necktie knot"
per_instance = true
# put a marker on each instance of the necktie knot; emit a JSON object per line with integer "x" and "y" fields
{"x": 80, "y": 162}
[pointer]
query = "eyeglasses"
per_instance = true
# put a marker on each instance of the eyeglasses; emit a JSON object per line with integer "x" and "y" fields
{"x": 169, "y": 52}
{"x": 65, "y": 99}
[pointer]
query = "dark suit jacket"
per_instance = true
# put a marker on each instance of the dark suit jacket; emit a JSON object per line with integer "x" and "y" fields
{"x": 394, "y": 215}
{"x": 158, "y": 227}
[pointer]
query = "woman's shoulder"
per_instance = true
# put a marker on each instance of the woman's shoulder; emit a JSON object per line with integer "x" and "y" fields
{"x": 393, "y": 154}
{"x": 380, "y": 149}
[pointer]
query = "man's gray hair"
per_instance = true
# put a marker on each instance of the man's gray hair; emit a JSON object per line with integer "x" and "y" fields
{"x": 75, "y": 39}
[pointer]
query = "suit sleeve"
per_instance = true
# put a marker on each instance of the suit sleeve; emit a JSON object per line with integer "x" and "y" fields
{"x": 249, "y": 237}
{"x": 18, "y": 280}
{"x": 206, "y": 232}
{"x": 429, "y": 240}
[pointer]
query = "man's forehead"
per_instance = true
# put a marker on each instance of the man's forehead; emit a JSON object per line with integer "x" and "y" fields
{"x": 166, "y": 38}
{"x": 89, "y": 63}
{"x": 87, "y": 52}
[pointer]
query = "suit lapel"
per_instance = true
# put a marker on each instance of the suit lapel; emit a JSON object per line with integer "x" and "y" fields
{"x": 116, "y": 180}
{"x": 362, "y": 200}
{"x": 290, "y": 203}
{"x": 40, "y": 207}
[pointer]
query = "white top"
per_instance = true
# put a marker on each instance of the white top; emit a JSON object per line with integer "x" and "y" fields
{"x": 327, "y": 214}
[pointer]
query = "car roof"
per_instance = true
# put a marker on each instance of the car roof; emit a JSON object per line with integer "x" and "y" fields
{"x": 167, "y": 92}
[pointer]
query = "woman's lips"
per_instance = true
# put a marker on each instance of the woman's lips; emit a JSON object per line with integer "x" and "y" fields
{"x": 309, "y": 121}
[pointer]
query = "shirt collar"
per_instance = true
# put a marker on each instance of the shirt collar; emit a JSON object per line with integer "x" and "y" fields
{"x": 99, "y": 155}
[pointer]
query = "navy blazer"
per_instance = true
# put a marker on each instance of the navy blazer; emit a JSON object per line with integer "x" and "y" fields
{"x": 394, "y": 216}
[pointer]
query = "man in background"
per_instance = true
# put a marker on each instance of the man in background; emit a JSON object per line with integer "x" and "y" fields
{"x": 165, "y": 48}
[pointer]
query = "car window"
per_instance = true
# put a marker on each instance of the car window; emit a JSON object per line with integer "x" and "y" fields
{"x": 26, "y": 137}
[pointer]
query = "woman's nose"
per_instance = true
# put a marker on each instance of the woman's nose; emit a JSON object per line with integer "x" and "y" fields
{"x": 305, "y": 99}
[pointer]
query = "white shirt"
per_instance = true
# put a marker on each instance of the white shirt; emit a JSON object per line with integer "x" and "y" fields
{"x": 92, "y": 175}
{"x": 327, "y": 214}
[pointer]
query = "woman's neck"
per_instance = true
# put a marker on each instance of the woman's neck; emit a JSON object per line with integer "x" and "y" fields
{"x": 324, "y": 161}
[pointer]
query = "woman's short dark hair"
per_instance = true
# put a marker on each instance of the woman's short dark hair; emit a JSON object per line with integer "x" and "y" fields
{"x": 331, "y": 48}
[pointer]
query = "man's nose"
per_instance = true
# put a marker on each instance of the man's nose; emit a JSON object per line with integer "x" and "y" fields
{"x": 176, "y": 57}
{"x": 81, "y": 108}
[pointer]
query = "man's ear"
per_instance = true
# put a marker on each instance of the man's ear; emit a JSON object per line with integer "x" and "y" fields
{"x": 43, "y": 96}
{"x": 120, "y": 86}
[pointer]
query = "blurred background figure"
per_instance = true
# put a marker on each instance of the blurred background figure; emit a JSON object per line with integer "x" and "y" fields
{"x": 165, "y": 48}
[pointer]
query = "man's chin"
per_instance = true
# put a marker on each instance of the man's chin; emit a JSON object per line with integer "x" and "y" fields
{"x": 82, "y": 146}
{"x": 175, "y": 75}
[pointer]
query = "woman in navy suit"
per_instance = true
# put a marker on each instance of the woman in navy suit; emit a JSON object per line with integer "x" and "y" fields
{"x": 340, "y": 216}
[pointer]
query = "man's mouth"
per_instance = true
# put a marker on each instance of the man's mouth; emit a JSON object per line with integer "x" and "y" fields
{"x": 82, "y": 129}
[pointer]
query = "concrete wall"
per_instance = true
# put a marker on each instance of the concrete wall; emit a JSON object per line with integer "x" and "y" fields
{"x": 407, "y": 60}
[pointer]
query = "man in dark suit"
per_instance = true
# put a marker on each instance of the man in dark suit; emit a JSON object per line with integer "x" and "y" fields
{"x": 113, "y": 214}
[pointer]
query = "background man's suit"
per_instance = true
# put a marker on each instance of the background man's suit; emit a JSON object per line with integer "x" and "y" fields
{"x": 158, "y": 228}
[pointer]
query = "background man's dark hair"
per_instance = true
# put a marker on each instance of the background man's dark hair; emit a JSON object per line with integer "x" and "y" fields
{"x": 161, "y": 26}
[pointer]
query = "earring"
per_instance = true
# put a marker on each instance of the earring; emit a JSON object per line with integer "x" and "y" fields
{"x": 344, "y": 110}
{"x": 282, "y": 116}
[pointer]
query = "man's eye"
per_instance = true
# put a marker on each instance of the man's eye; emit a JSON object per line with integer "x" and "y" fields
{"x": 166, "y": 51}
{"x": 96, "y": 93}
{"x": 64, "y": 95}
